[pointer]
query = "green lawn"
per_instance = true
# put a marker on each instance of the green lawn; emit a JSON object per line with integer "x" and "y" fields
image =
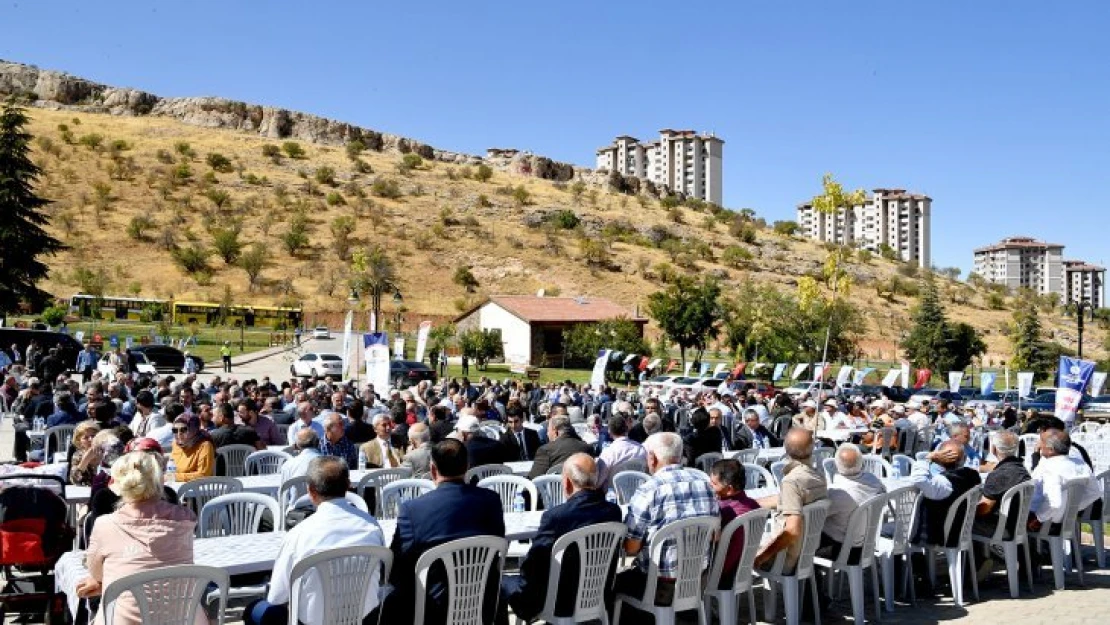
{"x": 501, "y": 371}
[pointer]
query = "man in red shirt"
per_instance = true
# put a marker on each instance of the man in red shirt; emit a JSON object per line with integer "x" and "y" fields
{"x": 728, "y": 479}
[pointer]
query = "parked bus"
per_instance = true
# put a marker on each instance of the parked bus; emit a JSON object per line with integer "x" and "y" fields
{"x": 110, "y": 308}
{"x": 207, "y": 313}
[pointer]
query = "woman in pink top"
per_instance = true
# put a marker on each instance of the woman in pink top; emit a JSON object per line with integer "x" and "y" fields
{"x": 144, "y": 533}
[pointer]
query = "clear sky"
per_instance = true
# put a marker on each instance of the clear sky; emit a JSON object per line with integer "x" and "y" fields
{"x": 999, "y": 110}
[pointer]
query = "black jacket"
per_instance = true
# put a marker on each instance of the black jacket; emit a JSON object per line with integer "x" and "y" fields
{"x": 511, "y": 444}
{"x": 745, "y": 440}
{"x": 481, "y": 451}
{"x": 556, "y": 452}
{"x": 962, "y": 479}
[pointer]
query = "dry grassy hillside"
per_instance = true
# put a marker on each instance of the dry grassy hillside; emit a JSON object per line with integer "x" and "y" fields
{"x": 442, "y": 220}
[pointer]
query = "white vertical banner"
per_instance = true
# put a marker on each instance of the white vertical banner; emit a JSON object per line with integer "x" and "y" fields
{"x": 891, "y": 376}
{"x": 376, "y": 346}
{"x": 905, "y": 374}
{"x": 1098, "y": 379}
{"x": 422, "y": 340}
{"x": 597, "y": 376}
{"x": 347, "y": 325}
{"x": 799, "y": 370}
{"x": 779, "y": 368}
{"x": 842, "y": 377}
{"x": 399, "y": 348}
{"x": 954, "y": 380}
{"x": 1025, "y": 383}
{"x": 756, "y": 366}
{"x": 719, "y": 368}
{"x": 818, "y": 372}
{"x": 685, "y": 370}
{"x": 373, "y": 322}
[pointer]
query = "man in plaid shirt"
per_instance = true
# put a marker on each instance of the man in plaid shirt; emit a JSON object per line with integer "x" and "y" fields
{"x": 673, "y": 493}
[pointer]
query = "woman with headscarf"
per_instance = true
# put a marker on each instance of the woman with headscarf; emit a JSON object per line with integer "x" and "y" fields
{"x": 194, "y": 455}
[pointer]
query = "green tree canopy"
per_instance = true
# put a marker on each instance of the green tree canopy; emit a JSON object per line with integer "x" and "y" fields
{"x": 688, "y": 312}
{"x": 1028, "y": 349}
{"x": 934, "y": 343}
{"x": 583, "y": 341}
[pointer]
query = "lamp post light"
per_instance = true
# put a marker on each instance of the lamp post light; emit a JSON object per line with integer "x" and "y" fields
{"x": 1080, "y": 308}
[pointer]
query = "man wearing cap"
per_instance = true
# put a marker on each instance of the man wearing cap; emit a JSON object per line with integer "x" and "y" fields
{"x": 833, "y": 417}
{"x": 917, "y": 417}
{"x": 898, "y": 414}
{"x": 808, "y": 417}
{"x": 479, "y": 449}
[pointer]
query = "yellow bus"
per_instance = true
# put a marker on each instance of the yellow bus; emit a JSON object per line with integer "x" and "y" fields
{"x": 112, "y": 308}
{"x": 207, "y": 313}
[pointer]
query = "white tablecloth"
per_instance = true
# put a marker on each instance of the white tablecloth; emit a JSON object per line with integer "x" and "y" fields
{"x": 518, "y": 526}
{"x": 251, "y": 553}
{"x": 841, "y": 434}
{"x": 520, "y": 467}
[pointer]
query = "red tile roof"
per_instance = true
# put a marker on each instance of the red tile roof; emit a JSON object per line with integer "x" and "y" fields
{"x": 558, "y": 309}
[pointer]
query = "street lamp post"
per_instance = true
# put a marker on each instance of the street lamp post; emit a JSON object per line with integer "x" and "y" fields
{"x": 1080, "y": 308}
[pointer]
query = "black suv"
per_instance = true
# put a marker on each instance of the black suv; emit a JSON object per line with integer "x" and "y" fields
{"x": 68, "y": 347}
{"x": 406, "y": 373}
{"x": 167, "y": 359}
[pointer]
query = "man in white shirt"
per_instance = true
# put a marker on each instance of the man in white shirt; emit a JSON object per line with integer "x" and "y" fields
{"x": 917, "y": 417}
{"x": 850, "y": 487}
{"x": 621, "y": 450}
{"x": 834, "y": 417}
{"x": 336, "y": 523}
{"x": 1056, "y": 467}
{"x": 145, "y": 419}
{"x": 308, "y": 444}
{"x": 305, "y": 414}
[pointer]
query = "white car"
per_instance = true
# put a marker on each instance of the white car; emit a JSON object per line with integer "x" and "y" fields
{"x": 321, "y": 333}
{"x": 317, "y": 365}
{"x": 143, "y": 366}
{"x": 808, "y": 389}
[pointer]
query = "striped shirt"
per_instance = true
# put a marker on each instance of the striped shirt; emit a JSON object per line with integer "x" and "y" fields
{"x": 672, "y": 494}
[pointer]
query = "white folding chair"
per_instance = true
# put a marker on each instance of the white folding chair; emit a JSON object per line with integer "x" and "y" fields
{"x": 625, "y": 484}
{"x": 265, "y": 462}
{"x": 756, "y": 476}
{"x": 507, "y": 487}
{"x": 550, "y": 488}
{"x": 234, "y": 459}
{"x": 1024, "y": 494}
{"x": 903, "y": 505}
{"x": 56, "y": 440}
{"x": 236, "y": 514}
{"x": 877, "y": 466}
{"x": 902, "y": 464}
{"x": 689, "y": 540}
{"x": 376, "y": 479}
{"x": 1098, "y": 522}
{"x": 752, "y": 525}
{"x": 885, "y": 437}
{"x": 597, "y": 546}
{"x": 197, "y": 493}
{"x": 813, "y": 521}
{"x": 963, "y": 505}
{"x": 861, "y": 534}
{"x": 400, "y": 491}
{"x": 747, "y": 456}
{"x": 479, "y": 473}
{"x": 828, "y": 466}
{"x": 704, "y": 461}
{"x": 1067, "y": 534}
{"x": 289, "y": 492}
{"x": 168, "y": 595}
{"x": 343, "y": 578}
{"x": 468, "y": 563}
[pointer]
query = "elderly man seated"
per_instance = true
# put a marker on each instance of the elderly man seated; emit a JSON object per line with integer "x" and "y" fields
{"x": 1006, "y": 473}
{"x": 336, "y": 523}
{"x": 1056, "y": 467}
{"x": 850, "y": 487}
{"x": 942, "y": 478}
{"x": 801, "y": 485}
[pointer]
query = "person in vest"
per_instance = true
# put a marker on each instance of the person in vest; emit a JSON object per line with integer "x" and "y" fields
{"x": 225, "y": 354}
{"x": 940, "y": 486}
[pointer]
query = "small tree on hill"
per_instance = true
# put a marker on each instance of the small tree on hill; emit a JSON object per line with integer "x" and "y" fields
{"x": 484, "y": 173}
{"x": 465, "y": 278}
{"x": 227, "y": 244}
{"x": 292, "y": 149}
{"x": 1029, "y": 352}
{"x": 253, "y": 261}
{"x": 688, "y": 312}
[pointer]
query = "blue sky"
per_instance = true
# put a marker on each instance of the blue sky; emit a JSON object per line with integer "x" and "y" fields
{"x": 1000, "y": 111}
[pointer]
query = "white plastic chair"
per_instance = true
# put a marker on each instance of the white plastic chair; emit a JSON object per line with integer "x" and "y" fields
{"x": 289, "y": 492}
{"x": 778, "y": 468}
{"x": 507, "y": 486}
{"x": 886, "y": 436}
{"x": 468, "y": 563}
{"x": 955, "y": 556}
{"x": 747, "y": 456}
{"x": 550, "y": 488}
{"x": 828, "y": 467}
{"x": 1029, "y": 444}
{"x": 752, "y": 524}
{"x": 343, "y": 578}
{"x": 236, "y": 514}
{"x": 689, "y": 540}
{"x": 820, "y": 453}
{"x": 56, "y": 440}
{"x": 756, "y": 476}
{"x": 400, "y": 491}
{"x": 1099, "y": 523}
{"x": 197, "y": 493}
{"x": 1024, "y": 494}
{"x": 629, "y": 465}
{"x": 862, "y": 533}
{"x": 376, "y": 479}
{"x": 704, "y": 461}
{"x": 265, "y": 462}
{"x": 597, "y": 547}
{"x": 479, "y": 473}
{"x": 168, "y": 595}
{"x": 813, "y": 521}
{"x": 877, "y": 466}
{"x": 902, "y": 509}
{"x": 902, "y": 464}
{"x": 625, "y": 484}
{"x": 1073, "y": 489}
{"x": 234, "y": 459}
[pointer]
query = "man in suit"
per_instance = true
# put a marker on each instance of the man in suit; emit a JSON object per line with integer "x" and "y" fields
{"x": 439, "y": 423}
{"x": 452, "y": 511}
{"x": 380, "y": 452}
{"x": 520, "y": 443}
{"x": 564, "y": 444}
{"x": 419, "y": 458}
{"x": 585, "y": 505}
{"x": 480, "y": 450}
{"x": 704, "y": 439}
{"x": 753, "y": 434}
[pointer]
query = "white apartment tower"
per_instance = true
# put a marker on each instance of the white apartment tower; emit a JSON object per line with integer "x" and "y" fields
{"x": 1023, "y": 262}
{"x": 890, "y": 217}
{"x": 1083, "y": 281}
{"x": 682, "y": 160}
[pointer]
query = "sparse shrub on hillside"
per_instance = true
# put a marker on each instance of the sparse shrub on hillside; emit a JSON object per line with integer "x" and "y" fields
{"x": 66, "y": 134}
{"x": 192, "y": 259}
{"x": 708, "y": 223}
{"x": 594, "y": 253}
{"x": 484, "y": 173}
{"x": 409, "y": 162}
{"x": 362, "y": 167}
{"x": 465, "y": 278}
{"x": 674, "y": 213}
{"x": 256, "y": 180}
{"x": 272, "y": 152}
{"x": 92, "y": 141}
{"x": 669, "y": 202}
{"x": 118, "y": 145}
{"x": 227, "y": 244}
{"x": 483, "y": 201}
{"x": 219, "y": 162}
{"x": 735, "y": 256}
{"x": 208, "y": 179}
{"x": 564, "y": 219}
{"x": 472, "y": 225}
{"x": 521, "y": 196}
{"x": 164, "y": 156}
{"x": 220, "y": 199}
{"x": 907, "y": 269}
{"x": 138, "y": 226}
{"x": 863, "y": 255}
{"x": 341, "y": 229}
{"x": 355, "y": 148}
{"x": 887, "y": 252}
{"x": 618, "y": 229}
{"x": 786, "y": 228}
{"x": 253, "y": 261}
{"x": 665, "y": 272}
{"x": 293, "y": 149}
{"x": 335, "y": 199}
{"x": 184, "y": 149}
{"x": 387, "y": 188}
{"x": 325, "y": 175}
{"x": 743, "y": 230}
{"x": 296, "y": 237}
{"x": 466, "y": 172}
{"x": 996, "y": 301}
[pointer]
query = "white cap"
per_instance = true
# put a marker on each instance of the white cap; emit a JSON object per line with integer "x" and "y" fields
{"x": 809, "y": 403}
{"x": 468, "y": 424}
{"x": 832, "y": 403}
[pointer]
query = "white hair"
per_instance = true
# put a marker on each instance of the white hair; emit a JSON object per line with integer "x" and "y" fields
{"x": 378, "y": 418}
{"x": 849, "y": 461}
{"x": 667, "y": 447}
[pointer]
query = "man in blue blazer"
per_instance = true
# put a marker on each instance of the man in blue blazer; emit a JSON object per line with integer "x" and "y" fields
{"x": 585, "y": 505}
{"x": 452, "y": 511}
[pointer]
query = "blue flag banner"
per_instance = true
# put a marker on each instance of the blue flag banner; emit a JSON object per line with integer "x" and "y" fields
{"x": 986, "y": 382}
{"x": 861, "y": 374}
{"x": 779, "y": 368}
{"x": 1073, "y": 375}
{"x": 704, "y": 368}
{"x": 113, "y": 340}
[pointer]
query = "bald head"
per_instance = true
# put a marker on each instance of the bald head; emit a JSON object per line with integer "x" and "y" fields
{"x": 799, "y": 444}
{"x": 955, "y": 447}
{"x": 579, "y": 473}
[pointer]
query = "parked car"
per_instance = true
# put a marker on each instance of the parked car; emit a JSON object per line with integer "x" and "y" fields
{"x": 321, "y": 332}
{"x": 810, "y": 389}
{"x": 991, "y": 401}
{"x": 1047, "y": 402}
{"x": 406, "y": 373}
{"x": 762, "y": 387}
{"x": 657, "y": 382}
{"x": 317, "y": 365}
{"x": 142, "y": 365}
{"x": 68, "y": 347}
{"x": 1099, "y": 404}
{"x": 166, "y": 358}
{"x": 922, "y": 395}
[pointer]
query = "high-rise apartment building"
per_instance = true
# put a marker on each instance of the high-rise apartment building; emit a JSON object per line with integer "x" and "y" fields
{"x": 1084, "y": 281}
{"x": 682, "y": 160}
{"x": 1023, "y": 262}
{"x": 889, "y": 217}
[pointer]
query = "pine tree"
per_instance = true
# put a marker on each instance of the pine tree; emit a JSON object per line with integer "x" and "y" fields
{"x": 1029, "y": 353}
{"x": 926, "y": 344}
{"x": 22, "y": 237}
